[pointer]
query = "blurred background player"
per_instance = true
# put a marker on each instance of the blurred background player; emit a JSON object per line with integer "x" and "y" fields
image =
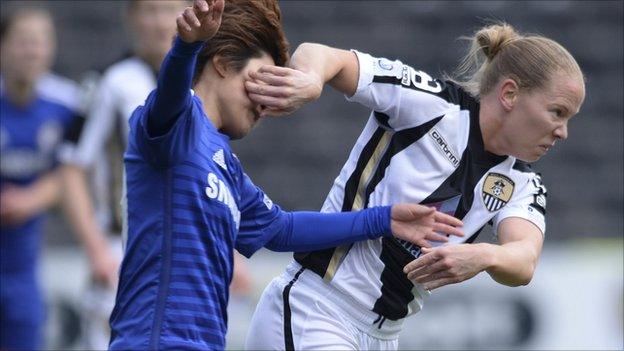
{"x": 39, "y": 113}
{"x": 123, "y": 86}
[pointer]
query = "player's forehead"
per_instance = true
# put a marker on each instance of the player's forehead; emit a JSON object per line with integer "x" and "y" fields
{"x": 30, "y": 22}
{"x": 565, "y": 90}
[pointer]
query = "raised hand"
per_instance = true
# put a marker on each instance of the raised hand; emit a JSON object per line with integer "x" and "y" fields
{"x": 201, "y": 21}
{"x": 282, "y": 90}
{"x": 420, "y": 224}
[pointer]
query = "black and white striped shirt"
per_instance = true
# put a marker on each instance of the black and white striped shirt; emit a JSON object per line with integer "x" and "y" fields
{"x": 422, "y": 144}
{"x": 122, "y": 88}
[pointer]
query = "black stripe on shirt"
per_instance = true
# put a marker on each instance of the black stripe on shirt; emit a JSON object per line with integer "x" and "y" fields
{"x": 395, "y": 287}
{"x": 289, "y": 343}
{"x": 475, "y": 162}
{"x": 75, "y": 128}
{"x": 318, "y": 261}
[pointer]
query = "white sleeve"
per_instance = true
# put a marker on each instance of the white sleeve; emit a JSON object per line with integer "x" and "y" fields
{"x": 99, "y": 124}
{"x": 528, "y": 203}
{"x": 404, "y": 96}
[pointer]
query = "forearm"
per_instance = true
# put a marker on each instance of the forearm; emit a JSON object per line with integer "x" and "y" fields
{"x": 510, "y": 264}
{"x": 45, "y": 191}
{"x": 309, "y": 231}
{"x": 335, "y": 67}
{"x": 174, "y": 83}
{"x": 79, "y": 210}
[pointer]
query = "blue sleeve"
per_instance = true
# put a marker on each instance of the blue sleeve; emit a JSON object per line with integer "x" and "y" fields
{"x": 265, "y": 224}
{"x": 311, "y": 231}
{"x": 166, "y": 128}
{"x": 173, "y": 96}
{"x": 260, "y": 218}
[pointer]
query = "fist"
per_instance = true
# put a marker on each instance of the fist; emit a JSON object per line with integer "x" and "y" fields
{"x": 201, "y": 21}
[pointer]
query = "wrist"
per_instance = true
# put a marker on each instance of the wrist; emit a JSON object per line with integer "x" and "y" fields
{"x": 182, "y": 45}
{"x": 317, "y": 84}
{"x": 386, "y": 214}
{"x": 487, "y": 253}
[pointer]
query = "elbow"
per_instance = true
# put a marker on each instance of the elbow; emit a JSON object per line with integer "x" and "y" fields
{"x": 528, "y": 276}
{"x": 524, "y": 281}
{"x": 518, "y": 278}
{"x": 524, "y": 278}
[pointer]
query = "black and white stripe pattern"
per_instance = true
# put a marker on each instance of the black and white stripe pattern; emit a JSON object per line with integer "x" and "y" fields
{"x": 406, "y": 105}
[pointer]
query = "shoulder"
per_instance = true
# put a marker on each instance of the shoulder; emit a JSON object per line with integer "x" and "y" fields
{"x": 127, "y": 72}
{"x": 60, "y": 90}
{"x": 382, "y": 71}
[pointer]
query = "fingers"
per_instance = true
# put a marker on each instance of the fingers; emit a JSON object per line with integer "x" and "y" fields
{"x": 182, "y": 25}
{"x": 448, "y": 219}
{"x": 265, "y": 89}
{"x": 439, "y": 283}
{"x": 436, "y": 237}
{"x": 217, "y": 9}
{"x": 190, "y": 18}
{"x": 423, "y": 260}
{"x": 432, "y": 268}
{"x": 201, "y": 8}
{"x": 277, "y": 70}
{"x": 269, "y": 78}
{"x": 423, "y": 243}
{"x": 447, "y": 229}
{"x": 268, "y": 101}
{"x": 429, "y": 277}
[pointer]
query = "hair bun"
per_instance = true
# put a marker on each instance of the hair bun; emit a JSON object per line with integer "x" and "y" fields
{"x": 493, "y": 38}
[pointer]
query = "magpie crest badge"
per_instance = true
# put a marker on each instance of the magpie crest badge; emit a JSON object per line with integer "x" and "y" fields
{"x": 497, "y": 191}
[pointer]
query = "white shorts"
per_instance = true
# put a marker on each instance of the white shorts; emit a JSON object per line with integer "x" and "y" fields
{"x": 299, "y": 311}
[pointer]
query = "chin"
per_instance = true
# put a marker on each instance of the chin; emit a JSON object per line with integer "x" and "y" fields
{"x": 528, "y": 158}
{"x": 239, "y": 133}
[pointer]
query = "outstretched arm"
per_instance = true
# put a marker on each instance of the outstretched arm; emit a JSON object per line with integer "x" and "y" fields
{"x": 284, "y": 90}
{"x": 308, "y": 231}
{"x": 511, "y": 263}
{"x": 195, "y": 25}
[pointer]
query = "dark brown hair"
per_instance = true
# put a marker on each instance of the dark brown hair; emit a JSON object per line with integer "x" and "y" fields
{"x": 248, "y": 28}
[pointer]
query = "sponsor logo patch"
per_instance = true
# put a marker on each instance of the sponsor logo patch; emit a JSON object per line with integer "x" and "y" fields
{"x": 497, "y": 191}
{"x": 444, "y": 147}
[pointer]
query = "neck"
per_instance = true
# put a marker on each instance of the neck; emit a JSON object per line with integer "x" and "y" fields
{"x": 490, "y": 127}
{"x": 20, "y": 92}
{"x": 209, "y": 101}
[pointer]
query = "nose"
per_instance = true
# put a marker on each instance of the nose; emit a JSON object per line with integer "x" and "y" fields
{"x": 561, "y": 132}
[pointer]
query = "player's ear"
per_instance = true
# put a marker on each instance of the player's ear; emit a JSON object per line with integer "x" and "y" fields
{"x": 508, "y": 94}
{"x": 220, "y": 65}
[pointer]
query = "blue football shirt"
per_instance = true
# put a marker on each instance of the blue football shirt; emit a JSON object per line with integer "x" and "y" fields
{"x": 188, "y": 205}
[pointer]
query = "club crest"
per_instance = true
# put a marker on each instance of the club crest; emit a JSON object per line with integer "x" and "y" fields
{"x": 497, "y": 191}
